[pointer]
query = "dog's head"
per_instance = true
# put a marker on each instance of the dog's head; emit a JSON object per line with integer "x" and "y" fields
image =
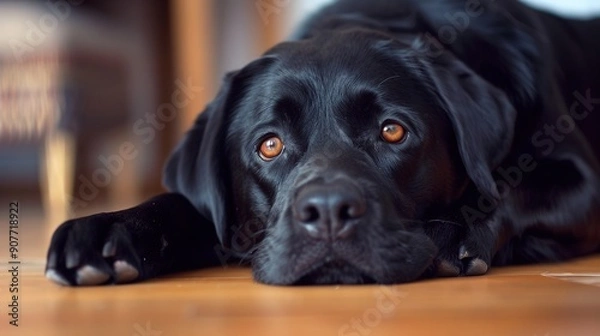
{"x": 326, "y": 158}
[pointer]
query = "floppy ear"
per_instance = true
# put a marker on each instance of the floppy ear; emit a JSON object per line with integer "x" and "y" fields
{"x": 198, "y": 166}
{"x": 195, "y": 169}
{"x": 482, "y": 116}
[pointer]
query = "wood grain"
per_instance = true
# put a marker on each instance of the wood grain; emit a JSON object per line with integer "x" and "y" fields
{"x": 509, "y": 301}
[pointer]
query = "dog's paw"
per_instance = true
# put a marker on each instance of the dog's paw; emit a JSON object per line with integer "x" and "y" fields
{"x": 92, "y": 250}
{"x": 463, "y": 262}
{"x": 472, "y": 263}
{"x": 470, "y": 258}
{"x": 462, "y": 252}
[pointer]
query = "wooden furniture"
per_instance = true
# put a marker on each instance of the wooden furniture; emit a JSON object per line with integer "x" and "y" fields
{"x": 73, "y": 96}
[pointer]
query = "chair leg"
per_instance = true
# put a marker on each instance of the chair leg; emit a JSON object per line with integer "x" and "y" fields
{"x": 56, "y": 178}
{"x": 124, "y": 189}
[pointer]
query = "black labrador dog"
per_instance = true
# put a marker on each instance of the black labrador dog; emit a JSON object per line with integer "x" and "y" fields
{"x": 386, "y": 142}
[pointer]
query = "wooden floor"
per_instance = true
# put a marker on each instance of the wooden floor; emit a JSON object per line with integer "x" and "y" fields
{"x": 541, "y": 300}
{"x": 511, "y": 301}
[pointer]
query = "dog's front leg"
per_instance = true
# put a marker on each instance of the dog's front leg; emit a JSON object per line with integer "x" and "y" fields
{"x": 163, "y": 235}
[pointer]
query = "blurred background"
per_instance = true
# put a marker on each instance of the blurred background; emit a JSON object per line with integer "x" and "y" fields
{"x": 94, "y": 94}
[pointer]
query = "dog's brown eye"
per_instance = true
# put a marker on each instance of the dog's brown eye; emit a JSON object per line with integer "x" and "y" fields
{"x": 270, "y": 148}
{"x": 393, "y": 132}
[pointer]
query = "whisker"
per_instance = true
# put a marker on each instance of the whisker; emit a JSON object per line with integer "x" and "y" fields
{"x": 387, "y": 79}
{"x": 445, "y": 221}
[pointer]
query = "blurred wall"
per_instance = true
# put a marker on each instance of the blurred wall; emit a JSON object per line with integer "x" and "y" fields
{"x": 75, "y": 78}
{"x": 572, "y": 8}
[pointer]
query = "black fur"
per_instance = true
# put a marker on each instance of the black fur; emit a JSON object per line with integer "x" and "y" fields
{"x": 499, "y": 166}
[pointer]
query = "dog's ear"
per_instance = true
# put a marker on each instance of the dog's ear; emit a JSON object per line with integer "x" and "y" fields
{"x": 195, "y": 168}
{"x": 482, "y": 117}
{"x": 198, "y": 166}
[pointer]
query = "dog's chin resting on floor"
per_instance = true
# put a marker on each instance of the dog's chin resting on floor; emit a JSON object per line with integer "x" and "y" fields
{"x": 387, "y": 141}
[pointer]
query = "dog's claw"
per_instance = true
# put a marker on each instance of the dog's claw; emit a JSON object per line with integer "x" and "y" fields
{"x": 125, "y": 272}
{"x": 477, "y": 267}
{"x": 90, "y": 276}
{"x": 446, "y": 269}
{"x": 57, "y": 278}
{"x": 463, "y": 253}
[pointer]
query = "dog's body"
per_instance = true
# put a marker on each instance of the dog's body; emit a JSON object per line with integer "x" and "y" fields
{"x": 390, "y": 140}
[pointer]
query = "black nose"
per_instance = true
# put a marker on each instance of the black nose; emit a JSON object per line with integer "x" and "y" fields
{"x": 329, "y": 211}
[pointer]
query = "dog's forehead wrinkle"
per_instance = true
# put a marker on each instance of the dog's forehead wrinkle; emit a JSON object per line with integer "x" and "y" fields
{"x": 321, "y": 71}
{"x": 320, "y": 104}
{"x": 334, "y": 106}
